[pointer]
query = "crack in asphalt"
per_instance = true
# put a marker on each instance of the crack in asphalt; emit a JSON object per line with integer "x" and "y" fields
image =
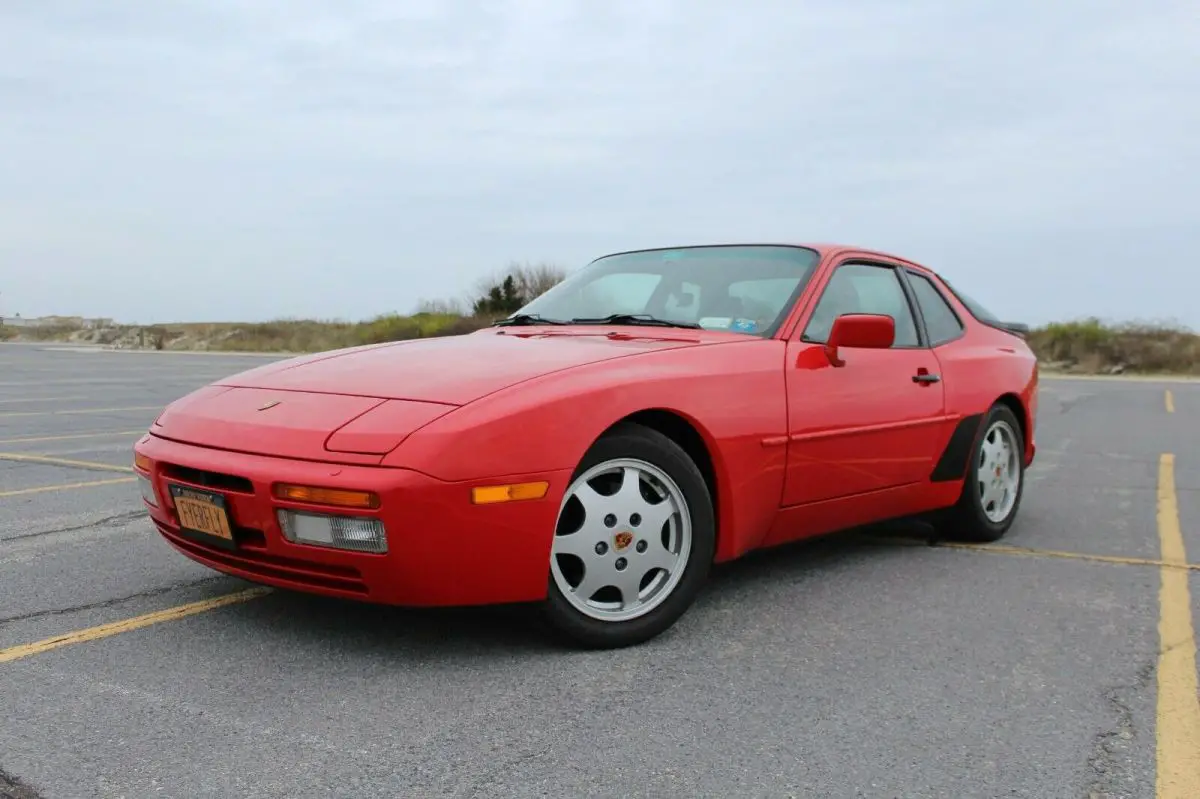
{"x": 107, "y": 521}
{"x": 29, "y": 546}
{"x": 1067, "y": 404}
{"x": 107, "y": 603}
{"x": 1186, "y": 642}
{"x": 1111, "y": 748}
{"x": 13, "y": 788}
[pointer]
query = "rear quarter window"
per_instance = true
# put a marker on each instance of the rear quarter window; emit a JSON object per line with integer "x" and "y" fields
{"x": 941, "y": 322}
{"x": 977, "y": 310}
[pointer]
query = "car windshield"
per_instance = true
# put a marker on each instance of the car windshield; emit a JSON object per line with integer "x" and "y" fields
{"x": 742, "y": 289}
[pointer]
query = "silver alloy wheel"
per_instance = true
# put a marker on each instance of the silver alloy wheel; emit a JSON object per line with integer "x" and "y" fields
{"x": 625, "y": 528}
{"x": 999, "y": 472}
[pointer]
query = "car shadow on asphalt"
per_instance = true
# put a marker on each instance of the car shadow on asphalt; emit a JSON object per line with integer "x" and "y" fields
{"x": 418, "y": 633}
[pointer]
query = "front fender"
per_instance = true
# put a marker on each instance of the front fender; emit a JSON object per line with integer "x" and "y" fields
{"x": 733, "y": 394}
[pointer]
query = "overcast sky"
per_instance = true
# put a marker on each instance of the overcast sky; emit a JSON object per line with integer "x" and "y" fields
{"x": 255, "y": 159}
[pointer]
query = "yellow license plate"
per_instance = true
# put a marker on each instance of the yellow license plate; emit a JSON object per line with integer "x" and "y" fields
{"x": 202, "y": 512}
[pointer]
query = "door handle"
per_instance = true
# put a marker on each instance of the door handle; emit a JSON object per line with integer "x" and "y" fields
{"x": 926, "y": 377}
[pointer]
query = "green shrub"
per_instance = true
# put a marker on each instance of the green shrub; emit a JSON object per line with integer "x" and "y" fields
{"x": 1090, "y": 345}
{"x": 392, "y": 327}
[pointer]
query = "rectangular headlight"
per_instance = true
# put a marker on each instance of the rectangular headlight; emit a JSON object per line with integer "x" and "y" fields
{"x": 147, "y": 489}
{"x": 354, "y": 533}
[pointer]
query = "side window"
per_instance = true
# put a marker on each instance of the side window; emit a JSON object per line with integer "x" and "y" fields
{"x": 863, "y": 288}
{"x": 940, "y": 320}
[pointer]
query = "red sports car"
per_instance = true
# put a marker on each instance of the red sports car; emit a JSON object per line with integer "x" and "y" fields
{"x": 596, "y": 452}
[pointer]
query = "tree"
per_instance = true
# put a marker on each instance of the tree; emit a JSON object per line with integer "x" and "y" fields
{"x": 521, "y": 283}
{"x": 440, "y": 307}
{"x": 501, "y": 298}
{"x": 535, "y": 280}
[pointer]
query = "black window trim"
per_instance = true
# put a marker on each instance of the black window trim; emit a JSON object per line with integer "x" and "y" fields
{"x": 962, "y": 327}
{"x": 910, "y": 298}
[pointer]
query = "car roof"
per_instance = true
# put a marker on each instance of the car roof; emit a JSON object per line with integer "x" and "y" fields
{"x": 823, "y": 248}
{"x": 829, "y": 248}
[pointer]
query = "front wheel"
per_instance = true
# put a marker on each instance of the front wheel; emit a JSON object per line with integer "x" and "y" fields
{"x": 634, "y": 541}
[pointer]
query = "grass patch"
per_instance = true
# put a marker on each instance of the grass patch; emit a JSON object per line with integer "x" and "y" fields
{"x": 305, "y": 335}
{"x": 281, "y": 335}
{"x": 1092, "y": 346}
{"x": 1086, "y": 346}
{"x": 40, "y": 333}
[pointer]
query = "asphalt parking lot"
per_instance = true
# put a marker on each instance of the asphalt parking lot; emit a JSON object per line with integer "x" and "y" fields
{"x": 1059, "y": 664}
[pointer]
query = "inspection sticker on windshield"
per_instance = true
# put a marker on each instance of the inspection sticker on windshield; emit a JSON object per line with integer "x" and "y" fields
{"x": 745, "y": 325}
{"x": 715, "y": 322}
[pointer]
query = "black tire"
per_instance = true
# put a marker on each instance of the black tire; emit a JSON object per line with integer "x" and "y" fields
{"x": 966, "y": 520}
{"x": 636, "y": 441}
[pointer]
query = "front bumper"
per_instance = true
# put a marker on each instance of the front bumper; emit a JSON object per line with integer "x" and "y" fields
{"x": 442, "y": 549}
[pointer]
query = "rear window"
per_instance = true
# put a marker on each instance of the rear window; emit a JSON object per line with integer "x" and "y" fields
{"x": 977, "y": 310}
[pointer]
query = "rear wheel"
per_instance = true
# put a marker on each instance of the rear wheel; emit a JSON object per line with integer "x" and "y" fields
{"x": 634, "y": 541}
{"x": 994, "y": 484}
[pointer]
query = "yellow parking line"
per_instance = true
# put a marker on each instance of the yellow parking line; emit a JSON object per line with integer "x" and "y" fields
{"x": 1169, "y": 399}
{"x": 74, "y": 411}
{"x": 20, "y": 492}
{"x": 25, "y": 458}
{"x": 1178, "y": 719}
{"x": 41, "y": 399}
{"x": 42, "y": 439}
{"x": 1175, "y": 379}
{"x": 90, "y": 381}
{"x": 128, "y": 625}
{"x": 1032, "y": 552}
{"x": 1118, "y": 560}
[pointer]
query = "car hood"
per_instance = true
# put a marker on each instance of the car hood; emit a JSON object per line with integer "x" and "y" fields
{"x": 355, "y": 406}
{"x": 455, "y": 370}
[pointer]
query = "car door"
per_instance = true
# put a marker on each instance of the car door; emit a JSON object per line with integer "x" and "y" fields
{"x": 877, "y": 421}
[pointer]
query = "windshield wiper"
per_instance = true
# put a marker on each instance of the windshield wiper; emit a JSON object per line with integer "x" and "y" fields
{"x": 633, "y": 319}
{"x": 527, "y": 319}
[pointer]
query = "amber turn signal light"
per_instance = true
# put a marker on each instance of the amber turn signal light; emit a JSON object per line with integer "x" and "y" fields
{"x": 141, "y": 462}
{"x": 488, "y": 495}
{"x": 339, "y": 497}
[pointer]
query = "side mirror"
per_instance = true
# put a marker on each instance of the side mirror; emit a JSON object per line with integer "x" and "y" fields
{"x": 860, "y": 331}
